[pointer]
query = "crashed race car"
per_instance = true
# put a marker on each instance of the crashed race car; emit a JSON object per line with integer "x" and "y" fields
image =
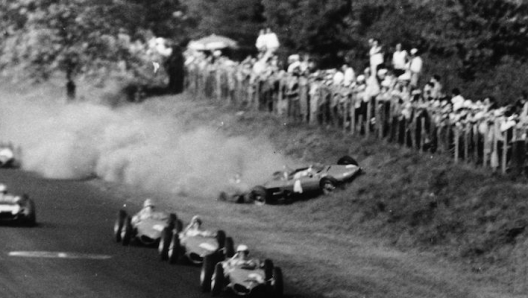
{"x": 193, "y": 244}
{"x": 146, "y": 227}
{"x": 287, "y": 183}
{"x": 9, "y": 156}
{"x": 16, "y": 209}
{"x": 242, "y": 276}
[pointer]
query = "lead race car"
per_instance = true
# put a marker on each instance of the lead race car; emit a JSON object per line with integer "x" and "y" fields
{"x": 242, "y": 276}
{"x": 145, "y": 227}
{"x": 300, "y": 181}
{"x": 19, "y": 209}
{"x": 194, "y": 244}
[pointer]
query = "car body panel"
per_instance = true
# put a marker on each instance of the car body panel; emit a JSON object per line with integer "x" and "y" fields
{"x": 197, "y": 246}
{"x": 149, "y": 230}
{"x": 244, "y": 279}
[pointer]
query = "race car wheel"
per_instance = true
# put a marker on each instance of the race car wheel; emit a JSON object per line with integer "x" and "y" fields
{"x": 118, "y": 225}
{"x": 259, "y": 195}
{"x": 164, "y": 243}
{"x": 206, "y": 273}
{"x": 31, "y": 219}
{"x": 175, "y": 250}
{"x": 179, "y": 226}
{"x": 328, "y": 185}
{"x": 229, "y": 247}
{"x": 221, "y": 239}
{"x": 217, "y": 280}
{"x": 126, "y": 231}
{"x": 172, "y": 220}
{"x": 276, "y": 283}
{"x": 347, "y": 160}
{"x": 268, "y": 269}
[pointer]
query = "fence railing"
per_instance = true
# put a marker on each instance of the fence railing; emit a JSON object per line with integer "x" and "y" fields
{"x": 483, "y": 142}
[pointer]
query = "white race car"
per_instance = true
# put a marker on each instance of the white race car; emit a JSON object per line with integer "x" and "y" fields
{"x": 17, "y": 209}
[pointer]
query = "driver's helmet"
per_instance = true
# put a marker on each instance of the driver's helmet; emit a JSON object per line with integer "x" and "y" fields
{"x": 243, "y": 251}
{"x": 148, "y": 203}
{"x": 196, "y": 220}
{"x": 3, "y": 188}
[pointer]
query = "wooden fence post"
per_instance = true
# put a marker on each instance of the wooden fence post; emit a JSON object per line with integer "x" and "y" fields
{"x": 457, "y": 142}
{"x": 369, "y": 115}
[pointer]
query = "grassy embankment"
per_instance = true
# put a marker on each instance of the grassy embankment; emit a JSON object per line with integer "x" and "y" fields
{"x": 415, "y": 225}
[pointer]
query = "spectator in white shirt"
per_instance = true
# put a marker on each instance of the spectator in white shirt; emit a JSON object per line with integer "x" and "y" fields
{"x": 415, "y": 67}
{"x": 349, "y": 75}
{"x": 399, "y": 60}
{"x": 376, "y": 56}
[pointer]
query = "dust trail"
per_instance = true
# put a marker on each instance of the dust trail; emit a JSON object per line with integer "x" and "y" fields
{"x": 133, "y": 145}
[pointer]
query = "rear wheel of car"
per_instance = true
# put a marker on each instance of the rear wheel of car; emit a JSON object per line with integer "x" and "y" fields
{"x": 259, "y": 195}
{"x": 118, "y": 225}
{"x": 164, "y": 243}
{"x": 268, "y": 269}
{"x": 229, "y": 247}
{"x": 217, "y": 280}
{"x": 276, "y": 283}
{"x": 221, "y": 239}
{"x": 126, "y": 231}
{"x": 175, "y": 250}
{"x": 31, "y": 219}
{"x": 347, "y": 160}
{"x": 206, "y": 273}
{"x": 327, "y": 185}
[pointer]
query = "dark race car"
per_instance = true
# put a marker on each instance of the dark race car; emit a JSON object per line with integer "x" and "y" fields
{"x": 19, "y": 209}
{"x": 301, "y": 181}
{"x": 147, "y": 231}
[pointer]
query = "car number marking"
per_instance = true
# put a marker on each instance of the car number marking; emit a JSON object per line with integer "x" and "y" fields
{"x": 57, "y": 255}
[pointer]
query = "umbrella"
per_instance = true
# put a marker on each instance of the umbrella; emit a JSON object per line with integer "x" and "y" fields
{"x": 212, "y": 42}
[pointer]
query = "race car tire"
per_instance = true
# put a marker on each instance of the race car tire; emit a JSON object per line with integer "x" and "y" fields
{"x": 347, "y": 160}
{"x": 179, "y": 226}
{"x": 118, "y": 225}
{"x": 277, "y": 284}
{"x": 164, "y": 243}
{"x": 327, "y": 185}
{"x": 206, "y": 273}
{"x": 229, "y": 247}
{"x": 126, "y": 231}
{"x": 175, "y": 250}
{"x": 217, "y": 280}
{"x": 268, "y": 269}
{"x": 31, "y": 219}
{"x": 172, "y": 220}
{"x": 221, "y": 238}
{"x": 259, "y": 195}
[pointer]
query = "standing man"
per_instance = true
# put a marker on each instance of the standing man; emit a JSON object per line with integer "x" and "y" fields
{"x": 415, "y": 67}
{"x": 399, "y": 60}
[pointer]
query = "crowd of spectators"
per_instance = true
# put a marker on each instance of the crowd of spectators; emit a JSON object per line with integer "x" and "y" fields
{"x": 389, "y": 91}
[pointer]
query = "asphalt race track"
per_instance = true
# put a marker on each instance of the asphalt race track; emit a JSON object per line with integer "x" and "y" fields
{"x": 71, "y": 253}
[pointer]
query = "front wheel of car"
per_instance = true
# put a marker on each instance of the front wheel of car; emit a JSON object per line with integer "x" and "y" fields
{"x": 229, "y": 247}
{"x": 126, "y": 231}
{"x": 327, "y": 185}
{"x": 217, "y": 280}
{"x": 118, "y": 225}
{"x": 206, "y": 273}
{"x": 175, "y": 250}
{"x": 164, "y": 243}
{"x": 259, "y": 195}
{"x": 221, "y": 238}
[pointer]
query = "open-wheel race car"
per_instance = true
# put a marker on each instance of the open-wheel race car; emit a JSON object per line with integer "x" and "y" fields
{"x": 242, "y": 277}
{"x": 146, "y": 229}
{"x": 194, "y": 245}
{"x": 286, "y": 183}
{"x": 17, "y": 209}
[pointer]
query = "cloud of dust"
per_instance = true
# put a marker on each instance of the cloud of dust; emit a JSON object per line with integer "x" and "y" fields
{"x": 132, "y": 145}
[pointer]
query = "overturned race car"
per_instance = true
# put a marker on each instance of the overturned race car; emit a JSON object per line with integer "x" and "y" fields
{"x": 285, "y": 184}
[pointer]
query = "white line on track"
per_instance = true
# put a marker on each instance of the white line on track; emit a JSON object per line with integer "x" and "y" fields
{"x": 57, "y": 255}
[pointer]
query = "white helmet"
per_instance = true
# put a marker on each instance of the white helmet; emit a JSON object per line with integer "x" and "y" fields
{"x": 196, "y": 219}
{"x": 243, "y": 248}
{"x": 148, "y": 203}
{"x": 3, "y": 188}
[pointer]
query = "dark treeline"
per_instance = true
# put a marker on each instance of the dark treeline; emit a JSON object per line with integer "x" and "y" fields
{"x": 478, "y": 46}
